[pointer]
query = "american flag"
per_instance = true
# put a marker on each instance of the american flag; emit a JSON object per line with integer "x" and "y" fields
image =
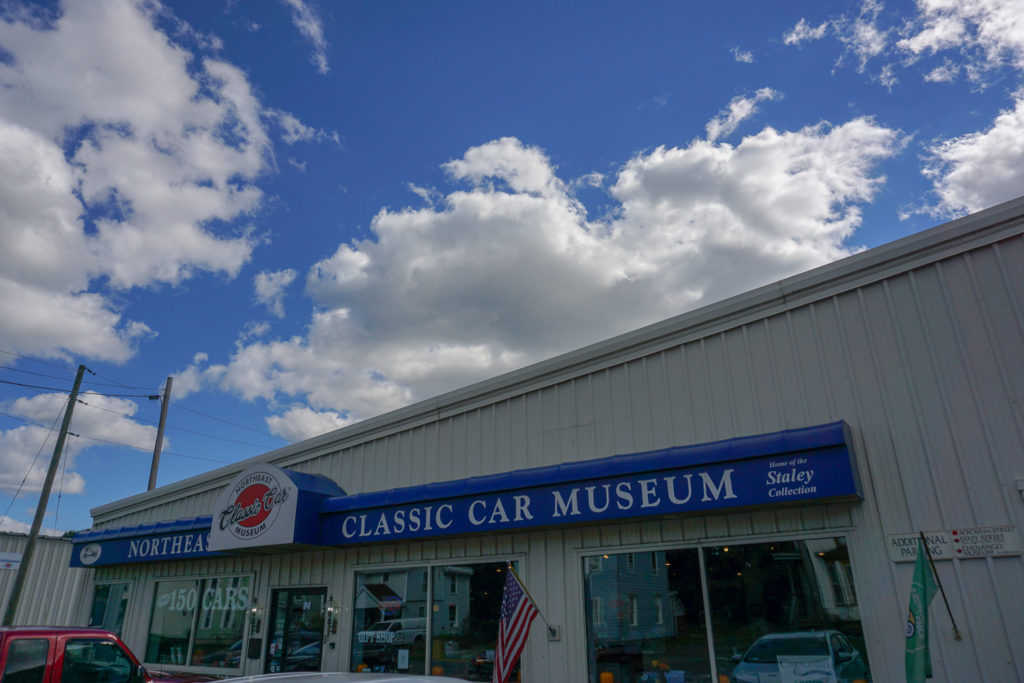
{"x": 517, "y": 613}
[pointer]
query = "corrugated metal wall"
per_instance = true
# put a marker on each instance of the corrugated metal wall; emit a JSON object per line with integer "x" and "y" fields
{"x": 925, "y": 365}
{"x": 54, "y": 593}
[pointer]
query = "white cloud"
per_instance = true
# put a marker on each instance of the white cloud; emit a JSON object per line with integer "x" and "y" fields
{"x": 743, "y": 56}
{"x": 254, "y": 329}
{"x": 985, "y": 34}
{"x": 14, "y": 526}
{"x": 978, "y": 170}
{"x": 507, "y": 269}
{"x": 104, "y": 117}
{"x": 96, "y": 417}
{"x": 803, "y": 32}
{"x": 592, "y": 179}
{"x": 739, "y": 108}
{"x": 299, "y": 422}
{"x": 974, "y": 38}
{"x": 308, "y": 22}
{"x": 293, "y": 130}
{"x": 428, "y": 195}
{"x": 862, "y": 36}
{"x": 193, "y": 378}
{"x": 887, "y": 77}
{"x": 270, "y": 289}
{"x": 944, "y": 73}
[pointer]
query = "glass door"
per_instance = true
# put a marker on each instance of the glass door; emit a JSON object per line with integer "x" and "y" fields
{"x": 296, "y": 630}
{"x": 109, "y": 604}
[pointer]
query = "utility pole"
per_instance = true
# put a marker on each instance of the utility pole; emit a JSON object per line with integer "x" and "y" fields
{"x": 37, "y": 521}
{"x": 160, "y": 435}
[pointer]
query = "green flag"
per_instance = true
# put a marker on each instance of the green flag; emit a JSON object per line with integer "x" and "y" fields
{"x": 922, "y": 590}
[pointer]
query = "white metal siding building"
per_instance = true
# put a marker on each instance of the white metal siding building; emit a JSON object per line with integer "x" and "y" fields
{"x": 917, "y": 346}
{"x": 53, "y": 594}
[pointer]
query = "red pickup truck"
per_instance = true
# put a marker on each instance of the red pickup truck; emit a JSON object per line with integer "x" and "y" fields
{"x": 30, "y": 654}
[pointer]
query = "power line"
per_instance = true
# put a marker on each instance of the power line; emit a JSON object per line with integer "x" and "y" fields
{"x": 149, "y": 396}
{"x": 219, "y": 438}
{"x": 29, "y": 372}
{"x": 41, "y": 445}
{"x": 117, "y": 384}
{"x": 234, "y": 424}
{"x": 33, "y": 386}
{"x": 93, "y": 383}
{"x": 110, "y": 443}
{"x": 36, "y": 360}
{"x": 40, "y": 374}
{"x": 146, "y": 450}
{"x": 177, "y": 429}
{"x": 182, "y": 429}
{"x": 64, "y": 391}
{"x": 60, "y": 486}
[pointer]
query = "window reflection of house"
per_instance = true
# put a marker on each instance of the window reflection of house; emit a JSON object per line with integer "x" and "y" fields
{"x": 834, "y": 575}
{"x": 451, "y": 596}
{"x": 392, "y": 595}
{"x": 628, "y": 595}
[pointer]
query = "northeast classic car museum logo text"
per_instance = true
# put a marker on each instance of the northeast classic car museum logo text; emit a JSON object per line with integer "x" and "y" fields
{"x": 257, "y": 501}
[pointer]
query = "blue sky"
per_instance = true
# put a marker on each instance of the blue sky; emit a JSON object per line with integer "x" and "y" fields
{"x": 309, "y": 213}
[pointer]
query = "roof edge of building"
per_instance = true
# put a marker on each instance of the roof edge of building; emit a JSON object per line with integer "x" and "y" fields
{"x": 920, "y": 249}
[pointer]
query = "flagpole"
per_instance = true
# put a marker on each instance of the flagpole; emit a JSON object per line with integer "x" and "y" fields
{"x": 552, "y": 631}
{"x": 931, "y": 561}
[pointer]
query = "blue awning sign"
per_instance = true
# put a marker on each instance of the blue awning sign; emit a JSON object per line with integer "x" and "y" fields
{"x": 267, "y": 507}
{"x": 142, "y": 546}
{"x": 788, "y": 467}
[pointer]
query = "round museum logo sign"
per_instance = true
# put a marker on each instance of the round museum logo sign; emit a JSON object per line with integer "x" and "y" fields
{"x": 256, "y": 502}
{"x": 90, "y": 554}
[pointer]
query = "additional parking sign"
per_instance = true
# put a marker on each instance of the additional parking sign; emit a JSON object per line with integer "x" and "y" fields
{"x": 903, "y": 547}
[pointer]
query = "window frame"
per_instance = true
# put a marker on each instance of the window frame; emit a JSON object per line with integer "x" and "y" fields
{"x": 585, "y": 555}
{"x": 246, "y": 634}
{"x": 518, "y": 560}
{"x": 68, "y": 656}
{"x": 11, "y": 642}
{"x": 130, "y": 591}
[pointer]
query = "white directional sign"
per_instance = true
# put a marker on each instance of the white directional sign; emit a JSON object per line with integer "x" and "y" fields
{"x": 986, "y": 541}
{"x": 963, "y": 544}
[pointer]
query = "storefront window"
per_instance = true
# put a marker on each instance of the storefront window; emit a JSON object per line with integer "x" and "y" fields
{"x": 109, "y": 603}
{"x": 392, "y": 631}
{"x": 199, "y": 622}
{"x": 464, "y": 627}
{"x": 388, "y": 632}
{"x": 775, "y": 609}
{"x": 646, "y": 617}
